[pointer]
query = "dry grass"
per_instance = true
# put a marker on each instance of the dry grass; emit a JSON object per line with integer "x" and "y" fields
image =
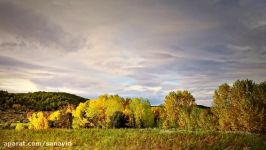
{"x": 136, "y": 139}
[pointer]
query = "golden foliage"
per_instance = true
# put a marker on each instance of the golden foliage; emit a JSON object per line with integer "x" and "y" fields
{"x": 38, "y": 121}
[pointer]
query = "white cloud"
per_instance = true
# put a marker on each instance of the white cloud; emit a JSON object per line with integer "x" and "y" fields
{"x": 141, "y": 88}
{"x": 17, "y": 85}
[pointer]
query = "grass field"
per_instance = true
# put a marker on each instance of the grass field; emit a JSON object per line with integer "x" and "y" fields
{"x": 134, "y": 139}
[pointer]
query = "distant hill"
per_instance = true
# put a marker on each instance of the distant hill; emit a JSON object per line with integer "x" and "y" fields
{"x": 200, "y": 106}
{"x": 38, "y": 101}
{"x": 203, "y": 107}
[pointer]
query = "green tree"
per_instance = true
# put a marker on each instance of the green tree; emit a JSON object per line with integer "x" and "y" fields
{"x": 142, "y": 114}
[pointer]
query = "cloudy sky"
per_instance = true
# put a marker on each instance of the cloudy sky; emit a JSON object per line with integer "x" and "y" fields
{"x": 135, "y": 48}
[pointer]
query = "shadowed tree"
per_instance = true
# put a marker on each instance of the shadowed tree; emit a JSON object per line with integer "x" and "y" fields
{"x": 118, "y": 120}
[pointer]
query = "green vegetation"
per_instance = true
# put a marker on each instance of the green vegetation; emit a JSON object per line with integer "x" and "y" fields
{"x": 37, "y": 101}
{"x": 103, "y": 113}
{"x": 240, "y": 107}
{"x": 238, "y": 112}
{"x": 237, "y": 108}
{"x": 137, "y": 139}
{"x": 21, "y": 126}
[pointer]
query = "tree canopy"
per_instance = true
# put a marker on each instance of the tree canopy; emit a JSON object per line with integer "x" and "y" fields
{"x": 38, "y": 101}
{"x": 241, "y": 107}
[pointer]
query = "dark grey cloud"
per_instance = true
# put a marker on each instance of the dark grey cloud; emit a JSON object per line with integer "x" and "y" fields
{"x": 34, "y": 27}
{"x": 9, "y": 62}
{"x": 254, "y": 38}
{"x": 13, "y": 67}
{"x": 8, "y": 45}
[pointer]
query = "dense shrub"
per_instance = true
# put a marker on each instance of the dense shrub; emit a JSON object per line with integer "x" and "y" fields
{"x": 62, "y": 118}
{"x": 21, "y": 126}
{"x": 118, "y": 120}
{"x": 6, "y": 125}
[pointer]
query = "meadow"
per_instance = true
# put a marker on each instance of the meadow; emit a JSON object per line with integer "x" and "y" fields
{"x": 134, "y": 139}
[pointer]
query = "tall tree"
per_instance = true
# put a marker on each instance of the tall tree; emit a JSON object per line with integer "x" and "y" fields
{"x": 221, "y": 105}
{"x": 241, "y": 107}
{"x": 142, "y": 114}
{"x": 114, "y": 104}
{"x": 96, "y": 112}
{"x": 174, "y": 103}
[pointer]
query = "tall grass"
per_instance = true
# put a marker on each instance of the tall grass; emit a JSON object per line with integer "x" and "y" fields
{"x": 136, "y": 139}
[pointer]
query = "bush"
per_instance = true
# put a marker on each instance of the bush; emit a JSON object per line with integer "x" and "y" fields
{"x": 20, "y": 126}
{"x": 61, "y": 118}
{"x": 118, "y": 120}
{"x": 6, "y": 125}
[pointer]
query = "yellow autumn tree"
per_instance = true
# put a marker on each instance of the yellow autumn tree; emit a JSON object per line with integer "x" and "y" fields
{"x": 114, "y": 111}
{"x": 96, "y": 112}
{"x": 38, "y": 121}
{"x": 221, "y": 104}
{"x": 54, "y": 116}
{"x": 80, "y": 119}
{"x": 176, "y": 107}
{"x": 241, "y": 107}
{"x": 112, "y": 105}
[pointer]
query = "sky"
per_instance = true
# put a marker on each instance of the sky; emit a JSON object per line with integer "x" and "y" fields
{"x": 134, "y": 48}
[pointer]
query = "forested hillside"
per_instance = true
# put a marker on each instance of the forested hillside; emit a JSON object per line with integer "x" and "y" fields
{"x": 38, "y": 101}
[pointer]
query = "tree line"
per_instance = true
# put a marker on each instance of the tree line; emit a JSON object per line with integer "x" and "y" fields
{"x": 240, "y": 107}
{"x": 37, "y": 101}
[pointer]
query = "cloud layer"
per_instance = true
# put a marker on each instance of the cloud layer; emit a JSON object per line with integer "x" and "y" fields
{"x": 132, "y": 48}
